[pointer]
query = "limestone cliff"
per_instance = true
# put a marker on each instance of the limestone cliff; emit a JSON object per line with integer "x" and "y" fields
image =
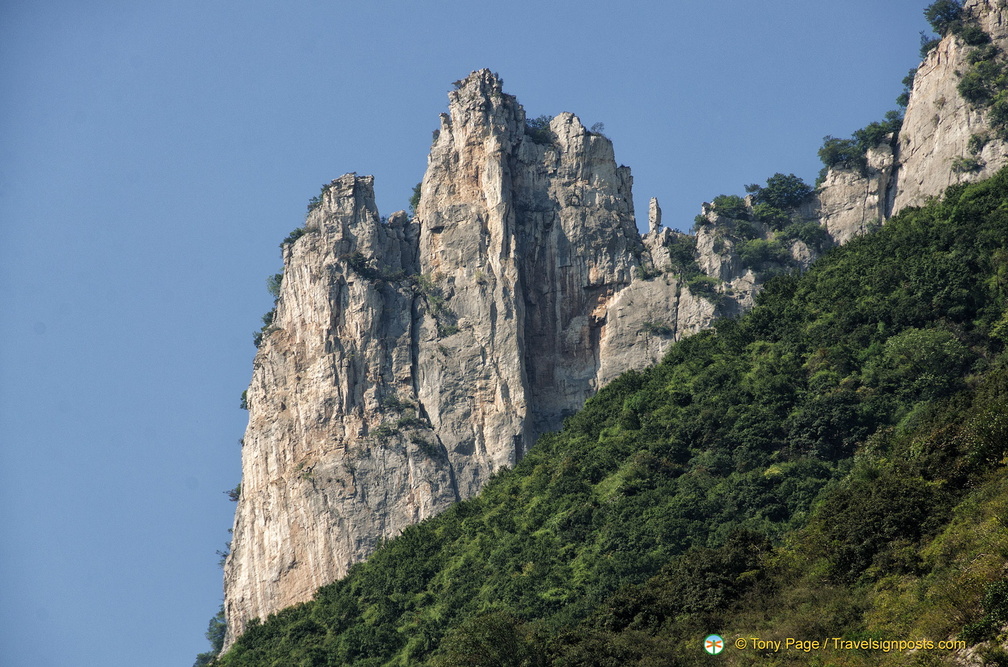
{"x": 944, "y": 139}
{"x": 411, "y": 358}
{"x": 939, "y": 123}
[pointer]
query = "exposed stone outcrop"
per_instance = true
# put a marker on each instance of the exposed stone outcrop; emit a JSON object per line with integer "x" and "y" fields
{"x": 851, "y": 202}
{"x": 410, "y": 359}
{"x": 939, "y": 122}
{"x": 327, "y": 468}
{"x": 932, "y": 150}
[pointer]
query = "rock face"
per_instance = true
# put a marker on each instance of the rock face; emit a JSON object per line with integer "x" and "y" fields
{"x": 933, "y": 149}
{"x": 939, "y": 122}
{"x": 850, "y": 202}
{"x": 410, "y": 359}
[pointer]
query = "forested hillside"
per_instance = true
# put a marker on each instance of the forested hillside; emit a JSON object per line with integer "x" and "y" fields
{"x": 830, "y": 465}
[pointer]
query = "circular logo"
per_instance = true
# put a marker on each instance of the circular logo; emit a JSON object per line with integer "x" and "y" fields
{"x": 713, "y": 644}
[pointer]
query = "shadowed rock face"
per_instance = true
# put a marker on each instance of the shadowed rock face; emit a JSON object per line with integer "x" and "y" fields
{"x": 410, "y": 359}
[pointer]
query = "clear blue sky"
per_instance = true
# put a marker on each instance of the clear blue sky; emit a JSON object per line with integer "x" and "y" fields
{"x": 152, "y": 157}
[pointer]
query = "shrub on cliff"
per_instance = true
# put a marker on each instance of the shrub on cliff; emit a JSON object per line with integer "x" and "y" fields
{"x": 945, "y": 16}
{"x": 538, "y": 130}
{"x": 781, "y": 191}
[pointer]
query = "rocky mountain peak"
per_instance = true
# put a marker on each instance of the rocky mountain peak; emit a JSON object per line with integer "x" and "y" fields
{"x": 410, "y": 359}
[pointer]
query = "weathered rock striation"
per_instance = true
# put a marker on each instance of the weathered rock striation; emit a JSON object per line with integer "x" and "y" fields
{"x": 411, "y": 358}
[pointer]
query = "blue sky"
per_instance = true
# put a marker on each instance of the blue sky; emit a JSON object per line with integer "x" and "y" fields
{"x": 152, "y": 157}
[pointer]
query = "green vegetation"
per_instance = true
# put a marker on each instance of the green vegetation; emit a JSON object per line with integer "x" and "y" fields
{"x": 831, "y": 464}
{"x": 781, "y": 192}
{"x": 810, "y": 233}
{"x": 656, "y": 329}
{"x": 215, "y": 633}
{"x": 985, "y": 83}
{"x": 760, "y": 254}
{"x": 414, "y": 200}
{"x": 316, "y": 201}
{"x": 945, "y": 16}
{"x": 904, "y": 98}
{"x": 731, "y": 206}
{"x": 273, "y": 284}
{"x": 852, "y": 153}
{"x": 965, "y": 164}
{"x": 538, "y": 130}
{"x": 762, "y": 234}
{"x": 295, "y": 234}
{"x": 447, "y": 320}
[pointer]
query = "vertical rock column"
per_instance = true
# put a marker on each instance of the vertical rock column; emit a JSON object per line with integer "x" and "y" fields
{"x": 335, "y": 458}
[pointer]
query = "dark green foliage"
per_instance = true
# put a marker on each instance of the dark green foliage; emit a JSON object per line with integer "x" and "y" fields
{"x": 995, "y": 610}
{"x": 927, "y": 43}
{"x": 361, "y": 265}
{"x": 985, "y": 79}
{"x": 222, "y": 554}
{"x": 867, "y": 514}
{"x": 920, "y": 363}
{"x": 414, "y": 200}
{"x": 944, "y": 16}
{"x": 984, "y": 84}
{"x": 760, "y": 254}
{"x": 974, "y": 35}
{"x": 316, "y": 201}
{"x": 771, "y": 216}
{"x": 598, "y": 128}
{"x": 720, "y": 488}
{"x": 244, "y": 400}
{"x": 216, "y": 630}
{"x": 234, "y": 494}
{"x": 731, "y": 206}
{"x": 538, "y": 130}
{"x": 705, "y": 286}
{"x": 976, "y": 143}
{"x": 682, "y": 250}
{"x": 657, "y": 328}
{"x": 273, "y": 284}
{"x": 782, "y": 192}
{"x": 367, "y": 268}
{"x": 810, "y": 233}
{"x": 841, "y": 153}
{"x": 267, "y": 326}
{"x": 999, "y": 113}
{"x": 904, "y": 98}
{"x": 494, "y": 639}
{"x": 773, "y": 201}
{"x": 966, "y": 164}
{"x": 851, "y": 153}
{"x": 876, "y": 133}
{"x": 294, "y": 236}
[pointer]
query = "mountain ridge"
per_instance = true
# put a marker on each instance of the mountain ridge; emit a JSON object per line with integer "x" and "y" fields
{"x": 409, "y": 360}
